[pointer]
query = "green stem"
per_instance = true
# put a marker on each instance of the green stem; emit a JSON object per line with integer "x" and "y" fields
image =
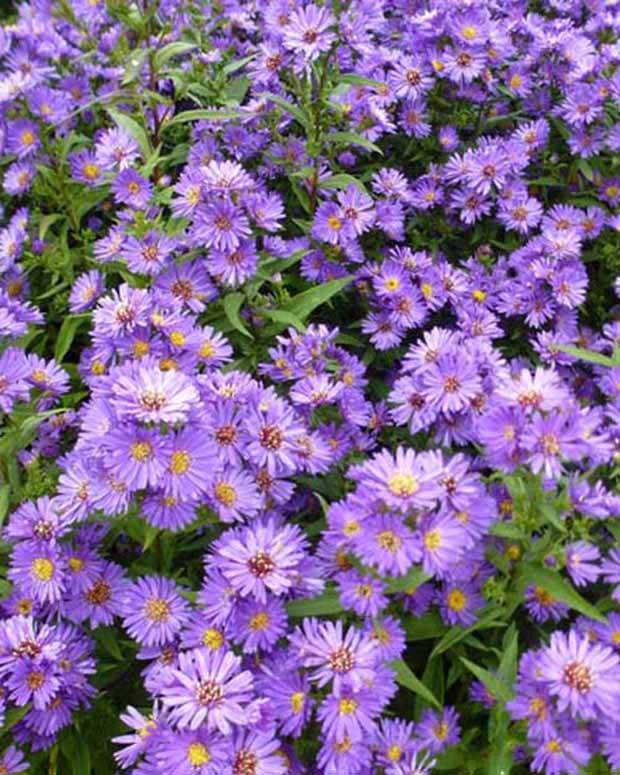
{"x": 53, "y": 763}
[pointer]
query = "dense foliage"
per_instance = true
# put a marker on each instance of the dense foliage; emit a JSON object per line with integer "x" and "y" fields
{"x": 310, "y": 387}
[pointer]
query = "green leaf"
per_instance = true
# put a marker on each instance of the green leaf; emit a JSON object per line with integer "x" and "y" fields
{"x": 408, "y": 583}
{"x": 75, "y": 750}
{"x": 46, "y": 222}
{"x": 232, "y": 304}
{"x": 13, "y": 716}
{"x": 283, "y": 316}
{"x": 587, "y": 355}
{"x": 359, "y": 80}
{"x": 5, "y": 492}
{"x": 495, "y": 685}
{"x": 454, "y": 635}
{"x": 171, "y": 50}
{"x": 342, "y": 181}
{"x": 237, "y": 64}
{"x": 407, "y": 678}
{"x": 297, "y": 113}
{"x": 352, "y": 138}
{"x": 132, "y": 127}
{"x": 323, "y": 605}
{"x": 561, "y": 590}
{"x": 204, "y": 114}
{"x": 67, "y": 333}
{"x": 303, "y": 304}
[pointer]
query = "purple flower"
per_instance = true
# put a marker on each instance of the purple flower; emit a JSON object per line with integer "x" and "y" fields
{"x": 437, "y": 731}
{"x": 12, "y": 761}
{"x": 221, "y": 225}
{"x": 208, "y": 688}
{"x": 584, "y": 677}
{"x": 38, "y": 571}
{"x": 153, "y": 395}
{"x": 116, "y": 150}
{"x": 153, "y": 610}
{"x": 348, "y": 716}
{"x": 86, "y": 290}
{"x": 261, "y": 558}
{"x": 347, "y": 658}
{"x": 132, "y": 189}
{"x": 581, "y": 559}
{"x": 308, "y": 31}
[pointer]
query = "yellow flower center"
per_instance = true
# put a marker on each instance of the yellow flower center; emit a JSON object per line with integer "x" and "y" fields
{"x": 42, "y": 569}
{"x": 516, "y": 81}
{"x": 225, "y": 493}
{"x": 432, "y": 540}
{"x": 180, "y": 462}
{"x": 259, "y": 621}
{"x": 141, "y": 451}
{"x": 457, "y": 600}
{"x": 469, "y": 32}
{"x": 351, "y": 528}
{"x": 441, "y": 730}
{"x": 198, "y": 754}
{"x": 157, "y": 609}
{"x": 76, "y": 564}
{"x": 91, "y": 171}
{"x": 334, "y": 222}
{"x": 479, "y": 295}
{"x": 403, "y": 485}
{"x": 206, "y": 350}
{"x": 347, "y": 706}
{"x": 394, "y": 753}
{"x": 427, "y": 290}
{"x": 392, "y": 284}
{"x": 213, "y": 639}
{"x": 297, "y": 701}
{"x": 28, "y": 137}
{"x": 389, "y": 541}
{"x": 177, "y": 338}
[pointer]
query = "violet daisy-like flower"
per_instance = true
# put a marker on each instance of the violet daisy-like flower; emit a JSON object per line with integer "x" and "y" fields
{"x": 220, "y": 224}
{"x": 582, "y": 563}
{"x": 401, "y": 480}
{"x": 86, "y": 290}
{"x": 349, "y": 659}
{"x": 36, "y": 682}
{"x": 584, "y": 677}
{"x": 541, "y": 605}
{"x": 153, "y": 395}
{"x": 437, "y": 731}
{"x": 149, "y": 254}
{"x": 190, "y": 461}
{"x": 130, "y": 188}
{"x": 270, "y": 437}
{"x": 257, "y": 626}
{"x": 443, "y": 542}
{"x": 154, "y": 611}
{"x": 38, "y": 571}
{"x": 308, "y": 31}
{"x": 12, "y": 761}
{"x": 187, "y": 752}
{"x": 451, "y": 383}
{"x": 208, "y": 688}
{"x": 261, "y": 558}
{"x": 137, "y": 457}
{"x": 234, "y": 495}
{"x": 116, "y": 150}
{"x": 348, "y": 716}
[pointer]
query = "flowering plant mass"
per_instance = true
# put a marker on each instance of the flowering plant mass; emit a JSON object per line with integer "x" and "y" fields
{"x": 309, "y": 387}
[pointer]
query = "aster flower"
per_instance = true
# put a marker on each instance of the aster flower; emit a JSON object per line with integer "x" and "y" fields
{"x": 131, "y": 188}
{"x": 258, "y": 626}
{"x": 261, "y": 558}
{"x": 153, "y": 610}
{"x": 581, "y": 559}
{"x": 437, "y": 731}
{"x": 442, "y": 544}
{"x": 289, "y": 695}
{"x": 221, "y": 225}
{"x": 582, "y": 676}
{"x": 38, "y": 571}
{"x": 85, "y": 168}
{"x": 541, "y": 605}
{"x": 348, "y": 716}
{"x": 234, "y": 495}
{"x": 402, "y": 481}
{"x": 191, "y": 752}
{"x": 12, "y": 761}
{"x": 149, "y": 254}
{"x": 348, "y": 659}
{"x": 308, "y": 31}
{"x": 116, "y": 150}
{"x": 208, "y": 688}
{"x": 153, "y": 395}
{"x": 86, "y": 290}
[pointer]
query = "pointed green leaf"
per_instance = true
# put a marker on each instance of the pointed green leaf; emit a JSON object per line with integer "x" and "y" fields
{"x": 232, "y": 304}
{"x": 407, "y": 678}
{"x": 495, "y": 685}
